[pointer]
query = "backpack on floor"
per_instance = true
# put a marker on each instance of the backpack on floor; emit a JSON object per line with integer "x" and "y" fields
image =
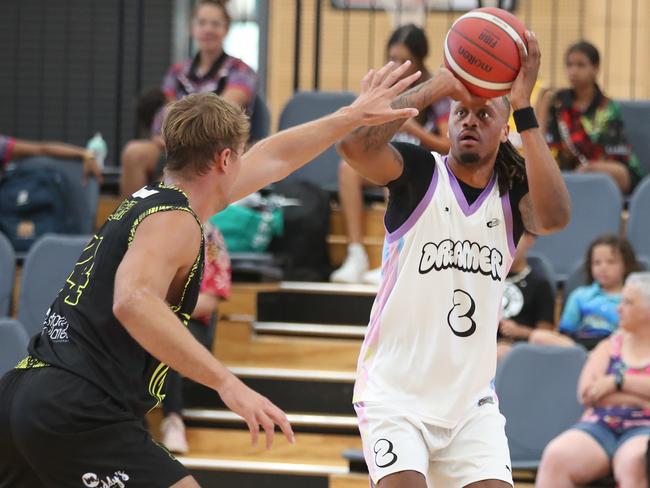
{"x": 302, "y": 247}
{"x": 32, "y": 203}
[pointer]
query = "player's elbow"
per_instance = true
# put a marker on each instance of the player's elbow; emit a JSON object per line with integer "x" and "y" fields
{"x": 555, "y": 221}
{"x": 126, "y": 307}
{"x": 348, "y": 148}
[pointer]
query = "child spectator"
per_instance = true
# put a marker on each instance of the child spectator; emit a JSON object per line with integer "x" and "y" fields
{"x": 590, "y": 313}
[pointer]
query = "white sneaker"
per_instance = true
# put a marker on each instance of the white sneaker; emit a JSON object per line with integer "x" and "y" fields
{"x": 173, "y": 434}
{"x": 372, "y": 277}
{"x": 354, "y": 266}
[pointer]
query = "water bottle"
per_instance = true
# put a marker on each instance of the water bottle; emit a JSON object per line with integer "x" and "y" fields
{"x": 97, "y": 145}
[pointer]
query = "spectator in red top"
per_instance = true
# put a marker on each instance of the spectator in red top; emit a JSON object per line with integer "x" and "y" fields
{"x": 215, "y": 286}
{"x": 15, "y": 149}
{"x": 211, "y": 70}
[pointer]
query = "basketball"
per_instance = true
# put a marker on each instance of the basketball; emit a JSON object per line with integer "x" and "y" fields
{"x": 481, "y": 50}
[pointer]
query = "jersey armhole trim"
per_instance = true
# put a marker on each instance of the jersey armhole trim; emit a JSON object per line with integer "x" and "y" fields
{"x": 507, "y": 215}
{"x": 417, "y": 213}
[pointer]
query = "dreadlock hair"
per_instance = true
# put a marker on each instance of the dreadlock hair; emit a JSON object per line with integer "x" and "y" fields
{"x": 510, "y": 165}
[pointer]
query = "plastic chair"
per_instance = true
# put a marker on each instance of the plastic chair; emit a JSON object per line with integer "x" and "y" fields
{"x": 13, "y": 344}
{"x": 537, "y": 390}
{"x": 48, "y": 264}
{"x": 304, "y": 107}
{"x": 541, "y": 263}
{"x": 7, "y": 274}
{"x": 260, "y": 120}
{"x": 638, "y": 224}
{"x": 596, "y": 204}
{"x": 635, "y": 115}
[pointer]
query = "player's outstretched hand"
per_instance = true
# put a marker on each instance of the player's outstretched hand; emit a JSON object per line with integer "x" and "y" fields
{"x": 256, "y": 410}
{"x": 378, "y": 90}
{"x": 523, "y": 85}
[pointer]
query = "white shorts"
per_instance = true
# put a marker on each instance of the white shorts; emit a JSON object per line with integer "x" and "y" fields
{"x": 476, "y": 449}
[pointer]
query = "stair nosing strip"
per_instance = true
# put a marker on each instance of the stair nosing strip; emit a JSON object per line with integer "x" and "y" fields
{"x": 264, "y": 466}
{"x": 294, "y": 418}
{"x": 305, "y": 328}
{"x": 290, "y": 373}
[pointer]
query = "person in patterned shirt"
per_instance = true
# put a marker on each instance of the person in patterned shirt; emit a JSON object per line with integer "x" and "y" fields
{"x": 215, "y": 286}
{"x": 211, "y": 70}
{"x": 584, "y": 128}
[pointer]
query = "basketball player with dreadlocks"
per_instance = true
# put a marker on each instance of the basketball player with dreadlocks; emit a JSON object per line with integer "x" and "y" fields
{"x": 424, "y": 394}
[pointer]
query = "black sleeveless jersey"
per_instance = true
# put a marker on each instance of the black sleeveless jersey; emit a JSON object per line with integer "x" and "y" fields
{"x": 80, "y": 333}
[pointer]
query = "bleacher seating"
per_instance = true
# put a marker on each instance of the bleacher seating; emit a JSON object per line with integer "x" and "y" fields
{"x": 13, "y": 344}
{"x": 304, "y": 107}
{"x": 47, "y": 266}
{"x": 536, "y": 387}
{"x": 638, "y": 223}
{"x": 7, "y": 274}
{"x": 636, "y": 114}
{"x": 596, "y": 205}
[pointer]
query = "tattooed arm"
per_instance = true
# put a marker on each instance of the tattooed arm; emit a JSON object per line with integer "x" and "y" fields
{"x": 368, "y": 150}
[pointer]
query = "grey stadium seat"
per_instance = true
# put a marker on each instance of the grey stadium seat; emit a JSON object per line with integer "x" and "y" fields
{"x": 13, "y": 344}
{"x": 638, "y": 225}
{"x": 541, "y": 263}
{"x": 304, "y": 107}
{"x": 537, "y": 391}
{"x": 48, "y": 264}
{"x": 7, "y": 274}
{"x": 596, "y": 204}
{"x": 260, "y": 120}
{"x": 636, "y": 120}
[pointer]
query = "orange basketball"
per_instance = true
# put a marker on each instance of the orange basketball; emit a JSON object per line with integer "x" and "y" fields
{"x": 481, "y": 50}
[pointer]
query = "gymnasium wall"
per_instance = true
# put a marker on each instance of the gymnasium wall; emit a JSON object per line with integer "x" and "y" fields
{"x": 352, "y": 41}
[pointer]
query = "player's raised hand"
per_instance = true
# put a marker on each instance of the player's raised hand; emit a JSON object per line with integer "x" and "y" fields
{"x": 378, "y": 90}
{"x": 256, "y": 410}
{"x": 453, "y": 87}
{"x": 523, "y": 85}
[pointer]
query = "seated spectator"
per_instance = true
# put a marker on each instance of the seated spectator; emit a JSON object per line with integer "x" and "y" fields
{"x": 211, "y": 70}
{"x": 590, "y": 313}
{"x": 215, "y": 285}
{"x": 615, "y": 389}
{"x": 528, "y": 301}
{"x": 584, "y": 127}
{"x": 12, "y": 149}
{"x": 429, "y": 129}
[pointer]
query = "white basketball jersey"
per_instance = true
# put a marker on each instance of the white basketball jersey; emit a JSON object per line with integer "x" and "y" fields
{"x": 430, "y": 347}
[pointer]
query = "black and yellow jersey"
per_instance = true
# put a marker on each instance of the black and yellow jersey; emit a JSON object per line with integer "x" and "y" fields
{"x": 80, "y": 333}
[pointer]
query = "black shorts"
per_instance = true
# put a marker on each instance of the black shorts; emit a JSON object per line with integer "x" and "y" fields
{"x": 59, "y": 430}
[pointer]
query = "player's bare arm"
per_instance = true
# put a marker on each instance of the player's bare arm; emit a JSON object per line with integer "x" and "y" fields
{"x": 276, "y": 157}
{"x": 151, "y": 275}
{"x": 368, "y": 150}
{"x": 547, "y": 207}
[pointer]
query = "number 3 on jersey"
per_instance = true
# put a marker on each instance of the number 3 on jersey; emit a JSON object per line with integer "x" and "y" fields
{"x": 80, "y": 276}
{"x": 460, "y": 318}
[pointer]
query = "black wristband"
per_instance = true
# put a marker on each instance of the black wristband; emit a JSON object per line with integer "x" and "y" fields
{"x": 525, "y": 119}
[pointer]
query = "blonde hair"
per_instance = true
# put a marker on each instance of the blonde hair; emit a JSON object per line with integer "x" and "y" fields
{"x": 198, "y": 127}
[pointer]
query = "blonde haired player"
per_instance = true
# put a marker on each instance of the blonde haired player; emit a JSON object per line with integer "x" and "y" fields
{"x": 424, "y": 396}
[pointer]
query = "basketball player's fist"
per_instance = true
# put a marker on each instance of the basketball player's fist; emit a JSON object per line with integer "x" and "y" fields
{"x": 452, "y": 86}
{"x": 379, "y": 88}
{"x": 255, "y": 409}
{"x": 523, "y": 85}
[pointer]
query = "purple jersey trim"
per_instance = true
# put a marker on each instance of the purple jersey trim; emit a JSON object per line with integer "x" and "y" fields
{"x": 460, "y": 196}
{"x": 507, "y": 214}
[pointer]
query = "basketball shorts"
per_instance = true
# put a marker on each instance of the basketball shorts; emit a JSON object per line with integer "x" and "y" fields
{"x": 476, "y": 449}
{"x": 57, "y": 429}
